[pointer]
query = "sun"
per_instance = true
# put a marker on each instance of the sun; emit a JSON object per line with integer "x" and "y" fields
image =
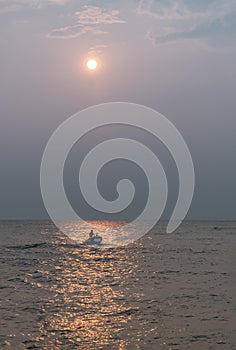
{"x": 92, "y": 64}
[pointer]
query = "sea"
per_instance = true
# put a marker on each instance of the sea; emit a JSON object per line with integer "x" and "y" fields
{"x": 163, "y": 291}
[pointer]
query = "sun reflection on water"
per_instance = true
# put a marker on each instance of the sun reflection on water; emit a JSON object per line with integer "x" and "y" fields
{"x": 113, "y": 233}
{"x": 89, "y": 299}
{"x": 149, "y": 295}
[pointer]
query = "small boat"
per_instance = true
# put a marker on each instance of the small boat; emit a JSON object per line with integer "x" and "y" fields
{"x": 94, "y": 240}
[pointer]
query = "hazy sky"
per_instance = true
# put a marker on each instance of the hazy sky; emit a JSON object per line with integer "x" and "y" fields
{"x": 177, "y": 57}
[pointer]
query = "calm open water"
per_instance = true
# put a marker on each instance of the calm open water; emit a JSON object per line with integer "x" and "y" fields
{"x": 166, "y": 291}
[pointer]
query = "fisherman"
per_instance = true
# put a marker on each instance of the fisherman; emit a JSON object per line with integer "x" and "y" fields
{"x": 91, "y": 234}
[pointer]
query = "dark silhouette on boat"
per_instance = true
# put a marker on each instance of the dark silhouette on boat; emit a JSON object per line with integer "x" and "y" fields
{"x": 93, "y": 239}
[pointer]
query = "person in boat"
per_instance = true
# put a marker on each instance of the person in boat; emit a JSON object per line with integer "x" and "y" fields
{"x": 93, "y": 239}
{"x": 91, "y": 234}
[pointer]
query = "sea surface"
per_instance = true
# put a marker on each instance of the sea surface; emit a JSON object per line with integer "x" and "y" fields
{"x": 165, "y": 291}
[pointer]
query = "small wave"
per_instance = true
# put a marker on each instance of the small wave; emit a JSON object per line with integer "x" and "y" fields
{"x": 71, "y": 245}
{"x": 27, "y": 246}
{"x": 220, "y": 228}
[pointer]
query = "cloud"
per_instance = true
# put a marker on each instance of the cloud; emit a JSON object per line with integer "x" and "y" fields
{"x": 92, "y": 15}
{"x": 180, "y": 21}
{"x": 97, "y": 50}
{"x": 150, "y": 35}
{"x": 72, "y": 32}
{"x": 9, "y": 8}
{"x": 17, "y": 5}
{"x": 90, "y": 19}
{"x": 59, "y": 2}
